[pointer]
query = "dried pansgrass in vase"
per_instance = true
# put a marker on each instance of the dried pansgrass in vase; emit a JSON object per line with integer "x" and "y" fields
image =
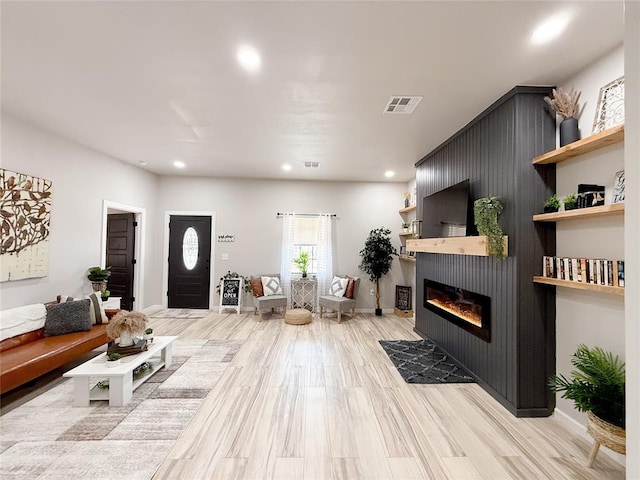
{"x": 125, "y": 325}
{"x": 564, "y": 103}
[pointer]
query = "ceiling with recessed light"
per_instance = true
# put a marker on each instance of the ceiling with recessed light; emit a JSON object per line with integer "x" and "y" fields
{"x": 160, "y": 82}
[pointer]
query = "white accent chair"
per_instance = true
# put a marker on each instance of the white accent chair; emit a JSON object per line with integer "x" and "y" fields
{"x": 340, "y": 304}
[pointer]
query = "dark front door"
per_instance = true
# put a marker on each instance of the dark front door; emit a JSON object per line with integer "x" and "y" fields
{"x": 189, "y": 259}
{"x": 120, "y": 254}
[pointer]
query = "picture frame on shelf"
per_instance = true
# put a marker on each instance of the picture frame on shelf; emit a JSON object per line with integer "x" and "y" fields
{"x": 610, "y": 107}
{"x": 618, "y": 188}
{"x": 411, "y": 254}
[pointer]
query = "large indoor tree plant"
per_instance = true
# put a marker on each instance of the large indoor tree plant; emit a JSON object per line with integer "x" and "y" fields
{"x": 597, "y": 386}
{"x": 377, "y": 257}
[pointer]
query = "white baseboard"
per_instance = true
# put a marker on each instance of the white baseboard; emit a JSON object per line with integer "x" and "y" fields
{"x": 581, "y": 430}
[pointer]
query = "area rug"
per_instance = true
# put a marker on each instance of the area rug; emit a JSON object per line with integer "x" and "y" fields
{"x": 181, "y": 313}
{"x": 49, "y": 438}
{"x": 422, "y": 361}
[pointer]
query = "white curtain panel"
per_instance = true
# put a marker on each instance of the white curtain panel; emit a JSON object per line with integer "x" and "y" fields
{"x": 288, "y": 238}
{"x": 325, "y": 253}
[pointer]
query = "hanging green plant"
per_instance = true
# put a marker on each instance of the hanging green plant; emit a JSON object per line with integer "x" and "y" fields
{"x": 485, "y": 213}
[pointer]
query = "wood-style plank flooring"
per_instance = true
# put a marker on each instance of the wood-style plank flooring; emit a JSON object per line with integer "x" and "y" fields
{"x": 323, "y": 401}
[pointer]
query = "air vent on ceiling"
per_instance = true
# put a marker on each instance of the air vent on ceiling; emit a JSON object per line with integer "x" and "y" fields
{"x": 311, "y": 164}
{"x": 402, "y": 104}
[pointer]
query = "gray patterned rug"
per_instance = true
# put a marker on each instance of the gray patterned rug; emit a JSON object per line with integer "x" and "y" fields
{"x": 49, "y": 438}
{"x": 181, "y": 313}
{"x": 422, "y": 361}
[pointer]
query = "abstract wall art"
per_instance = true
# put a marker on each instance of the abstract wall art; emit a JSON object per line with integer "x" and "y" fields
{"x": 25, "y": 211}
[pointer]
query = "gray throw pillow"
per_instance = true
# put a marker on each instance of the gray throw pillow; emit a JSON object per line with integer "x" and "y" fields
{"x": 68, "y": 317}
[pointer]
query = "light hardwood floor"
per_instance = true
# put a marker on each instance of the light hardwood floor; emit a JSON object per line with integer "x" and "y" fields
{"x": 324, "y": 401}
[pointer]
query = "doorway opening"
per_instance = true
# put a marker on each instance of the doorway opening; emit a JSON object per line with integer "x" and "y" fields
{"x": 122, "y": 249}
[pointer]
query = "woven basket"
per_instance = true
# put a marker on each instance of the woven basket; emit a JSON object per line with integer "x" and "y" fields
{"x": 607, "y": 434}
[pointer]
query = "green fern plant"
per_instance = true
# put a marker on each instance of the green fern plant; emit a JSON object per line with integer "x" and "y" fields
{"x": 597, "y": 385}
{"x": 485, "y": 213}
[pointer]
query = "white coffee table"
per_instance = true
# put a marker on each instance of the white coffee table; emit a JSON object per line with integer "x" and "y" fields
{"x": 121, "y": 382}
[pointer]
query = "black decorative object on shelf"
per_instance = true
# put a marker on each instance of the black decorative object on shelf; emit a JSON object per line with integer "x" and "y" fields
{"x": 569, "y": 131}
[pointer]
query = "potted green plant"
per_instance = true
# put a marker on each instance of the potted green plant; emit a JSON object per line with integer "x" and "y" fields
{"x": 485, "y": 213}
{"x": 98, "y": 277}
{"x": 597, "y": 386}
{"x": 552, "y": 204}
{"x": 302, "y": 262}
{"x": 377, "y": 258}
{"x": 570, "y": 201}
{"x": 113, "y": 359}
{"x": 148, "y": 335}
{"x": 405, "y": 227}
{"x": 105, "y": 295}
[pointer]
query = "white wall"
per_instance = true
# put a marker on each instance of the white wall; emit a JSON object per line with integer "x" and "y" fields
{"x": 82, "y": 178}
{"x": 247, "y": 209}
{"x": 585, "y": 317}
{"x": 632, "y": 232}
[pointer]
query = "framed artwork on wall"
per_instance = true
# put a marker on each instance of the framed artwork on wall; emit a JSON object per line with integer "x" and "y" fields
{"x": 25, "y": 209}
{"x": 618, "y": 188}
{"x": 610, "y": 108}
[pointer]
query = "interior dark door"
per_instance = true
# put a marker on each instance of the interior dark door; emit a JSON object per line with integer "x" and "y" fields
{"x": 120, "y": 254}
{"x": 189, "y": 261}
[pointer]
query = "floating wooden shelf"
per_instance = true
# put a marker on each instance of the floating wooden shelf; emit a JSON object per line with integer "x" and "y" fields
{"x": 408, "y": 209}
{"x": 453, "y": 245}
{"x": 589, "y": 144}
{"x": 404, "y": 258}
{"x": 407, "y": 234}
{"x": 580, "y": 285}
{"x": 601, "y": 211}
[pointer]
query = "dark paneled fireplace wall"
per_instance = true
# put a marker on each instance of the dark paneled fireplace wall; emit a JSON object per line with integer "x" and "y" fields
{"x": 495, "y": 152}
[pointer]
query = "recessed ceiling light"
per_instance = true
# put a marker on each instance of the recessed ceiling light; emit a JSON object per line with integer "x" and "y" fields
{"x": 249, "y": 59}
{"x": 286, "y": 167}
{"x": 550, "y": 29}
{"x": 389, "y": 173}
{"x": 143, "y": 163}
{"x": 179, "y": 164}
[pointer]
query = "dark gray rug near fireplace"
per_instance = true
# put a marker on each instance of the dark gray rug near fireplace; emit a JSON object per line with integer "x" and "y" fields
{"x": 422, "y": 361}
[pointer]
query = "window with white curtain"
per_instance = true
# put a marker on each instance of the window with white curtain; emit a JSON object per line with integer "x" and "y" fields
{"x": 305, "y": 239}
{"x": 313, "y": 234}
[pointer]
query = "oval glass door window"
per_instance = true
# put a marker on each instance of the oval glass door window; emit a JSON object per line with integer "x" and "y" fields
{"x": 190, "y": 248}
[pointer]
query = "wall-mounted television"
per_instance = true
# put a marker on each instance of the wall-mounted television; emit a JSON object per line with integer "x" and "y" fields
{"x": 448, "y": 213}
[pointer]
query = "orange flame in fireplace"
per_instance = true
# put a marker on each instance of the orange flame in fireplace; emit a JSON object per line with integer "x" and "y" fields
{"x": 466, "y": 311}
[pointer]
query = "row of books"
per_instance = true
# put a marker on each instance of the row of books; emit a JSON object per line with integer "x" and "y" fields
{"x": 584, "y": 270}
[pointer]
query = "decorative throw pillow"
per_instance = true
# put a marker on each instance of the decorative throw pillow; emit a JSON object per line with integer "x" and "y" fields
{"x": 68, "y": 317}
{"x": 256, "y": 287}
{"x": 338, "y": 287}
{"x": 97, "y": 313}
{"x": 271, "y": 286}
{"x": 350, "y": 287}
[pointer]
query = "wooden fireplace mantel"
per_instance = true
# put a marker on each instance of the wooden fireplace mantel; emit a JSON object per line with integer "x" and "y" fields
{"x": 453, "y": 245}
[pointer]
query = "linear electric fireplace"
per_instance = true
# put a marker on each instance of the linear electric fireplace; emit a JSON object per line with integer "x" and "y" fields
{"x": 468, "y": 310}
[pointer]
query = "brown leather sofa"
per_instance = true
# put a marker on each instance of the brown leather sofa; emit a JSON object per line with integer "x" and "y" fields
{"x": 26, "y": 357}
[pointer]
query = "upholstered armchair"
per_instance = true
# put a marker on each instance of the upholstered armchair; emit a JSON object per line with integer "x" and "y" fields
{"x": 264, "y": 298}
{"x": 341, "y": 304}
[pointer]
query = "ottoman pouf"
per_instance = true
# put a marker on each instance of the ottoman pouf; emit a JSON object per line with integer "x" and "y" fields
{"x": 297, "y": 316}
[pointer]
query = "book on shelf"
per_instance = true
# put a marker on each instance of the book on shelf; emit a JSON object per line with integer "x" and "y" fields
{"x": 620, "y": 273}
{"x": 584, "y": 270}
{"x": 575, "y": 269}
